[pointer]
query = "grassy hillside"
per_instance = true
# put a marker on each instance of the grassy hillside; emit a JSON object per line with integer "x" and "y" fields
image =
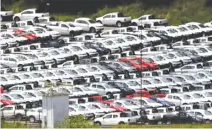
{"x": 177, "y": 11}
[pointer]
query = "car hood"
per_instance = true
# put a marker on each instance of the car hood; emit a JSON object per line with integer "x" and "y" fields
{"x": 97, "y": 24}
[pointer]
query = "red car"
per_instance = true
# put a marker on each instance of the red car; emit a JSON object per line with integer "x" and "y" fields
{"x": 111, "y": 104}
{"x": 139, "y": 63}
{"x": 139, "y": 66}
{"x": 27, "y": 35}
{"x": 7, "y": 102}
{"x": 146, "y": 94}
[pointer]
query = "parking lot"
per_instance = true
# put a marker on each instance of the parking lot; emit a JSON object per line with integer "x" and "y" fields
{"x": 122, "y": 72}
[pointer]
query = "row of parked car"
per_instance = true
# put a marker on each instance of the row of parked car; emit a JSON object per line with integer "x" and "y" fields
{"x": 125, "y": 75}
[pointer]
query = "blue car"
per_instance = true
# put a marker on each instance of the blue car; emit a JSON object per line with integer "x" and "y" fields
{"x": 162, "y": 101}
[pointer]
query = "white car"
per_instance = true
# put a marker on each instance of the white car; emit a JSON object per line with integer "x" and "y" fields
{"x": 148, "y": 19}
{"x": 115, "y": 119}
{"x": 66, "y": 28}
{"x": 12, "y": 97}
{"x": 25, "y": 96}
{"x": 114, "y": 19}
{"x": 88, "y": 25}
{"x": 5, "y": 14}
{"x": 29, "y": 14}
{"x": 206, "y": 115}
{"x": 110, "y": 33}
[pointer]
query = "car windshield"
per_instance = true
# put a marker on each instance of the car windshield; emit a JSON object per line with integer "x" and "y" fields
{"x": 109, "y": 42}
{"x": 189, "y": 77}
{"x": 133, "y": 83}
{"x": 54, "y": 53}
{"x": 91, "y": 21}
{"x": 27, "y": 95}
{"x": 42, "y": 54}
{"x": 71, "y": 25}
{"x": 76, "y": 48}
{"x": 127, "y": 103}
{"x": 197, "y": 96}
{"x": 37, "y": 75}
{"x": 81, "y": 70}
{"x": 82, "y": 108}
{"x": 71, "y": 72}
{"x": 119, "y": 40}
{"x": 32, "y": 56}
{"x": 191, "y": 28}
{"x": 150, "y": 101}
{"x": 49, "y": 74}
{"x": 182, "y": 29}
{"x": 21, "y": 58}
{"x": 15, "y": 96}
{"x": 209, "y": 73}
{"x": 172, "y": 31}
{"x": 187, "y": 97}
{"x": 157, "y": 81}
{"x": 3, "y": 79}
{"x": 200, "y": 76}
{"x": 208, "y": 94}
{"x": 207, "y": 112}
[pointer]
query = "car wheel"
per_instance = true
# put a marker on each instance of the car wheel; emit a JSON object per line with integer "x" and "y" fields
{"x": 134, "y": 24}
{"x": 120, "y": 49}
{"x": 118, "y": 24}
{"x": 16, "y": 19}
{"x": 71, "y": 34}
{"x": 181, "y": 62}
{"x": 109, "y": 94}
{"x": 92, "y": 30}
{"x": 159, "y": 122}
{"x": 76, "y": 59}
{"x": 35, "y": 20}
{"x": 168, "y": 122}
{"x": 207, "y": 122}
{"x": 87, "y": 54}
{"x": 18, "y": 117}
{"x": 121, "y": 123}
{"x": 20, "y": 66}
{"x": 32, "y": 119}
{"x": 98, "y": 123}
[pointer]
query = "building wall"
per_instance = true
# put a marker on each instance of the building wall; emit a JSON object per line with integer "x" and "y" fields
{"x": 55, "y": 109}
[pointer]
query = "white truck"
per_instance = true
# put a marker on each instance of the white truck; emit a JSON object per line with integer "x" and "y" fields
{"x": 148, "y": 20}
{"x": 5, "y": 14}
{"x": 88, "y": 25}
{"x": 29, "y": 14}
{"x": 114, "y": 19}
{"x": 65, "y": 28}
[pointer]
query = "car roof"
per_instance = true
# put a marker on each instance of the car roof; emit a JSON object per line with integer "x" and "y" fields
{"x": 83, "y": 18}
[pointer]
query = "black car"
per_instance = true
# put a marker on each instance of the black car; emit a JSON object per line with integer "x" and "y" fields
{"x": 99, "y": 49}
{"x": 181, "y": 118}
{"x": 195, "y": 58}
{"x": 124, "y": 90}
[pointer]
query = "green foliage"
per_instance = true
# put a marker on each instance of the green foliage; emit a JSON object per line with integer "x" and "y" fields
{"x": 76, "y": 122}
{"x": 12, "y": 125}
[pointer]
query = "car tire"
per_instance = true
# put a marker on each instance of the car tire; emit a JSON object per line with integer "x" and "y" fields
{"x": 168, "y": 122}
{"x": 35, "y": 20}
{"x": 109, "y": 94}
{"x": 32, "y": 119}
{"x": 120, "y": 50}
{"x": 17, "y": 19}
{"x": 20, "y": 65}
{"x": 92, "y": 30}
{"x": 76, "y": 59}
{"x": 121, "y": 123}
{"x": 134, "y": 24}
{"x": 71, "y": 34}
{"x": 18, "y": 117}
{"x": 98, "y": 123}
{"x": 118, "y": 24}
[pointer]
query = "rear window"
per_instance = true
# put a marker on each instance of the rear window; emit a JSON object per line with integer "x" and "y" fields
{"x": 120, "y": 15}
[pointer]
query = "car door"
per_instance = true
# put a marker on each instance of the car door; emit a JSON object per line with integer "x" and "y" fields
{"x": 101, "y": 89}
{"x": 113, "y": 20}
{"x": 106, "y": 20}
{"x": 108, "y": 120}
{"x": 64, "y": 29}
{"x": 26, "y": 15}
{"x": 7, "y": 112}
